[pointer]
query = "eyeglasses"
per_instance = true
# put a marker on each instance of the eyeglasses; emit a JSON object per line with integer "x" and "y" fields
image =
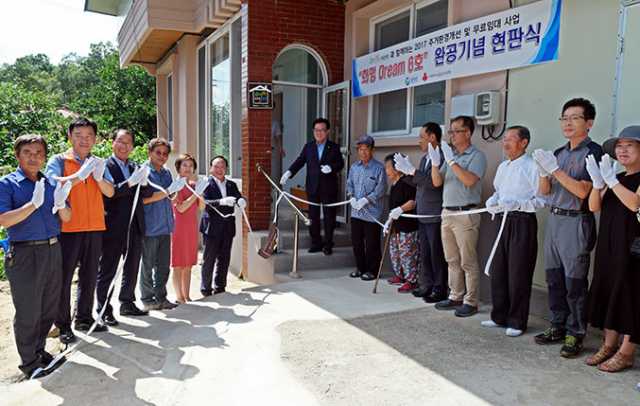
{"x": 84, "y": 138}
{"x": 125, "y": 144}
{"x": 573, "y": 119}
{"x": 321, "y": 130}
{"x": 456, "y": 132}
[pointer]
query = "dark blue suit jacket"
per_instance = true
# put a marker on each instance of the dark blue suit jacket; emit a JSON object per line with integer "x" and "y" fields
{"x": 211, "y": 223}
{"x": 318, "y": 183}
{"x": 117, "y": 208}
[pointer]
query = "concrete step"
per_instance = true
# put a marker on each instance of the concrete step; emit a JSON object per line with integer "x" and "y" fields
{"x": 342, "y": 257}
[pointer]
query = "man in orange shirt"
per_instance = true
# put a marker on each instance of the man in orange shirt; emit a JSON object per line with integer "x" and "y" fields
{"x": 81, "y": 237}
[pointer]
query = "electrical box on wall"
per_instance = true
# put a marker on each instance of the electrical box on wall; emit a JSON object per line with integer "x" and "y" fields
{"x": 487, "y": 108}
{"x": 463, "y": 105}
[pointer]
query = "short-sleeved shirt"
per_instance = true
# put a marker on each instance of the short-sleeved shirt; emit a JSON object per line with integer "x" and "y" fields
{"x": 367, "y": 181}
{"x": 16, "y": 190}
{"x": 456, "y": 193}
{"x": 401, "y": 192}
{"x": 573, "y": 162}
{"x": 159, "y": 215}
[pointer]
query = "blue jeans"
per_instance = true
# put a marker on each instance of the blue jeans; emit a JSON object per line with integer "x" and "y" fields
{"x": 154, "y": 270}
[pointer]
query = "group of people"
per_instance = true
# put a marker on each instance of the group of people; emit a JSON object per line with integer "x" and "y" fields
{"x": 94, "y": 212}
{"x": 434, "y": 220}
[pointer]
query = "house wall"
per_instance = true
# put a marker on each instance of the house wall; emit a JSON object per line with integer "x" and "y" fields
{"x": 586, "y": 67}
{"x": 267, "y": 28}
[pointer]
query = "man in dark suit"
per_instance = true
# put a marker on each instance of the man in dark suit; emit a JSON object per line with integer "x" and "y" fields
{"x": 217, "y": 231}
{"x": 428, "y": 202}
{"x": 324, "y": 161}
{"x": 117, "y": 211}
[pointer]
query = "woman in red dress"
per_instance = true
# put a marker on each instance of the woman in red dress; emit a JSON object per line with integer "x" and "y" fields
{"x": 184, "y": 239}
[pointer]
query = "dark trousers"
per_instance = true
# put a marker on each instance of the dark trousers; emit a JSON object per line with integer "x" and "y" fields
{"x": 512, "y": 272}
{"x": 217, "y": 251}
{"x": 112, "y": 251}
{"x": 365, "y": 238}
{"x": 434, "y": 266}
{"x": 83, "y": 247}
{"x": 329, "y": 221}
{"x": 34, "y": 278}
{"x": 154, "y": 271}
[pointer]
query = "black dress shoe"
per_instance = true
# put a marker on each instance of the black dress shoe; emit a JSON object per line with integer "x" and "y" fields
{"x": 314, "y": 249}
{"x": 422, "y": 292}
{"x": 355, "y": 274}
{"x": 40, "y": 374}
{"x": 133, "y": 311}
{"x": 85, "y": 326}
{"x": 328, "y": 251}
{"x": 435, "y": 298}
{"x": 66, "y": 336}
{"x": 109, "y": 320}
{"x": 46, "y": 359}
{"x": 367, "y": 276}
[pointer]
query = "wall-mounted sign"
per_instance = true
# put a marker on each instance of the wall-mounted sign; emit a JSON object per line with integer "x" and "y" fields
{"x": 513, "y": 38}
{"x": 260, "y": 95}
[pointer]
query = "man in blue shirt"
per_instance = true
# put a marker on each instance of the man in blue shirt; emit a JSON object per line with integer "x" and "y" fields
{"x": 366, "y": 185}
{"x": 31, "y": 209}
{"x": 158, "y": 214}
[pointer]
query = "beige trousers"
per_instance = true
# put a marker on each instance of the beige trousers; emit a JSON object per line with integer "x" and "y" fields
{"x": 459, "y": 238}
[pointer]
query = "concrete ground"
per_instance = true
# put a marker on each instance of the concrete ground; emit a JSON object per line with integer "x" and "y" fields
{"x": 322, "y": 339}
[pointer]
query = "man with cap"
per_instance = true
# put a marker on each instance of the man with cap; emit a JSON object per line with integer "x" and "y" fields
{"x": 570, "y": 233}
{"x": 324, "y": 161}
{"x": 366, "y": 186}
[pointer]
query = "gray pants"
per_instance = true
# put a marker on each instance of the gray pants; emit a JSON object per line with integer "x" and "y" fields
{"x": 154, "y": 270}
{"x": 567, "y": 245}
{"x": 35, "y": 280}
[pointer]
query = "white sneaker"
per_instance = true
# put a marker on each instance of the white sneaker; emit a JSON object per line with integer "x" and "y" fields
{"x": 489, "y": 323}
{"x": 513, "y": 332}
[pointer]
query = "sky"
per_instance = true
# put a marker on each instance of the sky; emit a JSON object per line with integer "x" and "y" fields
{"x": 52, "y": 27}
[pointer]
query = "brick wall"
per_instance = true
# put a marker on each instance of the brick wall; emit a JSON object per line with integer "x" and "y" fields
{"x": 267, "y": 27}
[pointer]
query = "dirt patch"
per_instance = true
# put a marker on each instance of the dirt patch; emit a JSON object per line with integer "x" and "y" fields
{"x": 9, "y": 358}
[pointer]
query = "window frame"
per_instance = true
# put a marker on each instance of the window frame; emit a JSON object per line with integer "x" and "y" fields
{"x": 170, "y": 106}
{"x": 235, "y": 77}
{"x": 408, "y": 129}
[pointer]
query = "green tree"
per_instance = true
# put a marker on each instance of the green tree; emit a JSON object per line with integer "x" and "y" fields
{"x": 32, "y": 72}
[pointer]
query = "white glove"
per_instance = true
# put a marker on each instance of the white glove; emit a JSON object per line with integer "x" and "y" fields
{"x": 60, "y": 196}
{"x": 325, "y": 169}
{"x": 385, "y": 229}
{"x": 354, "y": 203}
{"x": 201, "y": 185}
{"x": 176, "y": 185}
{"x": 98, "y": 169}
{"x": 492, "y": 205}
{"x": 396, "y": 213}
{"x": 609, "y": 169}
{"x": 362, "y": 202}
{"x": 547, "y": 160}
{"x": 242, "y": 203}
{"x": 136, "y": 176}
{"x": 448, "y": 153}
{"x": 594, "y": 172}
{"x": 86, "y": 168}
{"x": 509, "y": 205}
{"x": 227, "y": 201}
{"x": 541, "y": 171}
{"x": 145, "y": 177}
{"x": 285, "y": 177}
{"x": 434, "y": 155}
{"x": 38, "y": 194}
{"x": 403, "y": 164}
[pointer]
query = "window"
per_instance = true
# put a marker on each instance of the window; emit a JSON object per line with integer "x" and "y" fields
{"x": 220, "y": 98}
{"x": 170, "y": 108}
{"x": 400, "y": 111}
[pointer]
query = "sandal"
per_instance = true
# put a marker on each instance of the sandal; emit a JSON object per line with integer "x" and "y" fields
{"x": 617, "y": 363}
{"x": 601, "y": 356}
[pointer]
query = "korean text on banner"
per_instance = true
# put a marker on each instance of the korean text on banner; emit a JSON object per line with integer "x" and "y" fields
{"x": 509, "y": 39}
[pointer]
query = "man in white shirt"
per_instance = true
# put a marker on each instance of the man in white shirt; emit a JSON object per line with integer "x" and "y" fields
{"x": 518, "y": 197}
